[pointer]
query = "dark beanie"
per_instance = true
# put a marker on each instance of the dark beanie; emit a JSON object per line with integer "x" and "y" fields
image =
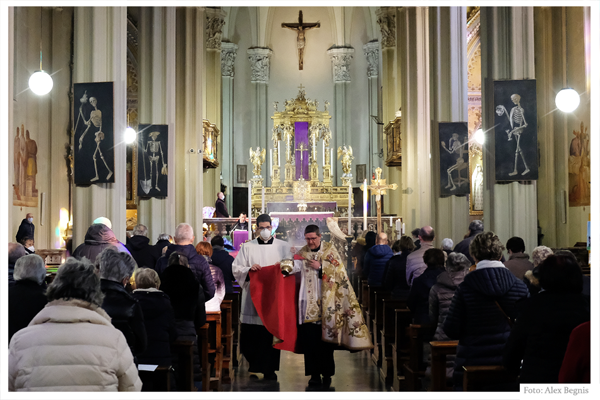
{"x": 263, "y": 218}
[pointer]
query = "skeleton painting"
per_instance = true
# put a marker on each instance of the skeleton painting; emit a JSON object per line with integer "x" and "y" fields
{"x": 516, "y": 130}
{"x": 152, "y": 160}
{"x": 454, "y": 158}
{"x": 94, "y": 135}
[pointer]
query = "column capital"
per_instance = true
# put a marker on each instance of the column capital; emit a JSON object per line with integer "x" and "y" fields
{"x": 215, "y": 19}
{"x": 371, "y": 51}
{"x": 386, "y": 18}
{"x": 340, "y": 61}
{"x": 260, "y": 62}
{"x": 228, "y": 54}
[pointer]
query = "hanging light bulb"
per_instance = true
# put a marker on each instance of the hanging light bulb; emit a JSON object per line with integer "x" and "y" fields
{"x": 567, "y": 100}
{"x": 479, "y": 138}
{"x": 40, "y": 82}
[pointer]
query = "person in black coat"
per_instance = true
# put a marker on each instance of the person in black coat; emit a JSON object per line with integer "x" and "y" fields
{"x": 140, "y": 248}
{"x": 97, "y": 238}
{"x": 418, "y": 298}
{"x": 27, "y": 296}
{"x": 221, "y": 207}
{"x": 15, "y": 251}
{"x": 26, "y": 229}
{"x": 540, "y": 335}
{"x": 222, "y": 260}
{"x": 394, "y": 277}
{"x": 475, "y": 228}
{"x": 164, "y": 240}
{"x": 124, "y": 310}
{"x": 483, "y": 307}
{"x": 241, "y": 224}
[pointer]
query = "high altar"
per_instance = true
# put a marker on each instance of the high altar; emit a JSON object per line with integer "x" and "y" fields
{"x": 307, "y": 181}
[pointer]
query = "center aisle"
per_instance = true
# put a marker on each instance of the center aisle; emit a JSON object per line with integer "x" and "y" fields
{"x": 354, "y": 372}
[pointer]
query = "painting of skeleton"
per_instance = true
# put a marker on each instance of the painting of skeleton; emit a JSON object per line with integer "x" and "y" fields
{"x": 94, "y": 133}
{"x": 152, "y": 160}
{"x": 454, "y": 159}
{"x": 25, "y": 193}
{"x": 579, "y": 168}
{"x": 515, "y": 123}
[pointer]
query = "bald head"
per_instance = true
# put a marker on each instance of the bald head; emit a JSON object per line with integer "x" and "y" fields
{"x": 382, "y": 238}
{"x": 15, "y": 251}
{"x": 426, "y": 234}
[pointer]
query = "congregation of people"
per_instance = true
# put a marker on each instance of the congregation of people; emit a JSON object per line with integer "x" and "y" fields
{"x": 112, "y": 307}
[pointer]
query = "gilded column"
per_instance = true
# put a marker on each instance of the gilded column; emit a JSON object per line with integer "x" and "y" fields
{"x": 228, "y": 55}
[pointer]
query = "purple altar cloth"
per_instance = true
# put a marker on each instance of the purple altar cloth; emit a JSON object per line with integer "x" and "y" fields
{"x": 239, "y": 237}
{"x": 301, "y": 136}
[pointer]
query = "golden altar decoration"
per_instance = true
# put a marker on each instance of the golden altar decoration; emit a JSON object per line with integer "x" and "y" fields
{"x": 392, "y": 131}
{"x": 210, "y": 133}
{"x": 312, "y": 187}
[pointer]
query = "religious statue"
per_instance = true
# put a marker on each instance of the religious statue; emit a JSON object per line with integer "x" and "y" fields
{"x": 579, "y": 168}
{"x": 257, "y": 158}
{"x": 301, "y": 27}
{"x": 346, "y": 154}
{"x": 516, "y": 118}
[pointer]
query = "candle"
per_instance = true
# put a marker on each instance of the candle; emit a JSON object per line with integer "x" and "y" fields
{"x": 390, "y": 222}
{"x": 398, "y": 225}
{"x": 262, "y": 207}
{"x": 249, "y": 210}
{"x": 349, "y": 209}
{"x": 323, "y": 142}
{"x": 279, "y": 154}
{"x": 365, "y": 206}
{"x": 403, "y": 228}
{"x": 271, "y": 163}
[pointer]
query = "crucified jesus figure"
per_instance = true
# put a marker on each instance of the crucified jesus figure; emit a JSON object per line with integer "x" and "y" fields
{"x": 516, "y": 118}
{"x": 301, "y": 27}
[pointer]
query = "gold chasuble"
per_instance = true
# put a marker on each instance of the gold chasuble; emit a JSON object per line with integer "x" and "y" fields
{"x": 341, "y": 317}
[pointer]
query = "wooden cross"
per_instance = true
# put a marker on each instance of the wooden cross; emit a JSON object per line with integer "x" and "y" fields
{"x": 378, "y": 187}
{"x": 301, "y": 27}
{"x": 301, "y": 149}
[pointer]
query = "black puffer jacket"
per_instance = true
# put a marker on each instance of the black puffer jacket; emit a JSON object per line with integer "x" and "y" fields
{"x": 126, "y": 314}
{"x": 394, "y": 278}
{"x": 25, "y": 299}
{"x": 222, "y": 260}
{"x": 97, "y": 238}
{"x": 418, "y": 298}
{"x": 186, "y": 294}
{"x": 440, "y": 298}
{"x": 198, "y": 265}
{"x": 142, "y": 252}
{"x": 475, "y": 320}
{"x": 159, "y": 320}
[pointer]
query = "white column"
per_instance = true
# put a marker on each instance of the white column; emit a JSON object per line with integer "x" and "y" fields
{"x": 371, "y": 51}
{"x": 448, "y": 40}
{"x": 340, "y": 63}
{"x": 507, "y": 52}
{"x": 157, "y": 106}
{"x": 417, "y": 203}
{"x": 100, "y": 54}
{"x": 11, "y": 124}
{"x": 228, "y": 55}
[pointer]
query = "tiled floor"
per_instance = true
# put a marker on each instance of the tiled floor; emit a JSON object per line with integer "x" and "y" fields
{"x": 355, "y": 372}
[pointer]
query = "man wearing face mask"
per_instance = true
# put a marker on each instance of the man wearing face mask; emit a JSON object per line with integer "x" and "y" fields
{"x": 256, "y": 341}
{"x": 221, "y": 207}
{"x": 26, "y": 229}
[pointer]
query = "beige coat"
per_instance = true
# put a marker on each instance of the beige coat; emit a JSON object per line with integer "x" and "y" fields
{"x": 71, "y": 346}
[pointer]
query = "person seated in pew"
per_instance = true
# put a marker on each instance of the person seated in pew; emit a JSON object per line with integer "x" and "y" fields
{"x": 539, "y": 338}
{"x": 418, "y": 298}
{"x": 394, "y": 277}
{"x": 214, "y": 304}
{"x": 376, "y": 259}
{"x": 575, "y": 367}
{"x": 222, "y": 260}
{"x": 530, "y": 278}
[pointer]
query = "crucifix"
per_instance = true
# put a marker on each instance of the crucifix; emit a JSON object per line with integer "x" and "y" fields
{"x": 378, "y": 187}
{"x": 301, "y": 27}
{"x": 302, "y": 149}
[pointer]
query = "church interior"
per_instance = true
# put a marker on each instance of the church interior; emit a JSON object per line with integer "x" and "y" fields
{"x": 356, "y": 119}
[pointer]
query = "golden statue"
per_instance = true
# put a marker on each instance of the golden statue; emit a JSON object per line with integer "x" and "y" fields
{"x": 257, "y": 158}
{"x": 346, "y": 154}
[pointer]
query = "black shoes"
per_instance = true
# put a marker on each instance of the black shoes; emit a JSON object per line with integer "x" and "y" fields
{"x": 315, "y": 380}
{"x": 270, "y": 376}
{"x": 326, "y": 382}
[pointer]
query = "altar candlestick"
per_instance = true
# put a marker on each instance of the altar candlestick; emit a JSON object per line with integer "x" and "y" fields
{"x": 390, "y": 222}
{"x": 323, "y": 142}
{"x": 279, "y": 154}
{"x": 262, "y": 208}
{"x": 398, "y": 225}
{"x": 349, "y": 209}
{"x": 249, "y": 210}
{"x": 403, "y": 228}
{"x": 271, "y": 163}
{"x": 365, "y": 206}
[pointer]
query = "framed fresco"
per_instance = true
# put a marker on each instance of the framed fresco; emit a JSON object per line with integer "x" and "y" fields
{"x": 93, "y": 139}
{"x": 454, "y": 159}
{"x": 152, "y": 151}
{"x": 579, "y": 167}
{"x": 25, "y": 192}
{"x": 241, "y": 174}
{"x": 515, "y": 124}
{"x": 361, "y": 173}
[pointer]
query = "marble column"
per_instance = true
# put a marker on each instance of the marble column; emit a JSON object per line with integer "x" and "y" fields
{"x": 100, "y": 55}
{"x": 448, "y": 63}
{"x": 371, "y": 51}
{"x": 260, "y": 62}
{"x": 228, "y": 55}
{"x": 157, "y": 106}
{"x": 189, "y": 144}
{"x": 340, "y": 63}
{"x": 507, "y": 52}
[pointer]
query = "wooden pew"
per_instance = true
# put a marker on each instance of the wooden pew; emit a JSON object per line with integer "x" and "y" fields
{"x": 378, "y": 296}
{"x": 184, "y": 349}
{"x": 364, "y": 294}
{"x": 236, "y": 304}
{"x": 227, "y": 339}
{"x": 439, "y": 351}
{"x": 209, "y": 338}
{"x": 158, "y": 380}
{"x": 370, "y": 308}
{"x": 415, "y": 367}
{"x": 400, "y": 348}
{"x": 477, "y": 378}
{"x": 388, "y": 338}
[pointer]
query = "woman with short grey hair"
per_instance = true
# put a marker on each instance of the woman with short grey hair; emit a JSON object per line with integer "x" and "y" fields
{"x": 71, "y": 344}
{"x": 30, "y": 267}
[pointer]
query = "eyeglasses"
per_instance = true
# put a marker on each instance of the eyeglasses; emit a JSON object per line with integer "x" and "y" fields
{"x": 308, "y": 239}
{"x": 260, "y": 228}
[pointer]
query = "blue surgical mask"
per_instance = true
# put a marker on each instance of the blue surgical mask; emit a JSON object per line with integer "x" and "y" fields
{"x": 30, "y": 220}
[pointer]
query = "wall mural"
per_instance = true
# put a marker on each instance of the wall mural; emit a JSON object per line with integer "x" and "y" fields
{"x": 579, "y": 168}
{"x": 454, "y": 158}
{"x": 516, "y": 130}
{"x": 152, "y": 149}
{"x": 25, "y": 193}
{"x": 94, "y": 137}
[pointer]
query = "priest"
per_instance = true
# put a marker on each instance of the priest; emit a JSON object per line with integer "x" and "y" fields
{"x": 256, "y": 341}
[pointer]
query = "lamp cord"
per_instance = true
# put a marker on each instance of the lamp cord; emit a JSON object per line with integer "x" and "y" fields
{"x": 41, "y": 33}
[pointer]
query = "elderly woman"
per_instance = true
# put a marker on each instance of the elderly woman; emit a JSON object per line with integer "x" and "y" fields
{"x": 27, "y": 296}
{"x": 394, "y": 277}
{"x": 115, "y": 270}
{"x": 205, "y": 249}
{"x": 71, "y": 345}
{"x": 539, "y": 337}
{"x": 483, "y": 306}
{"x": 530, "y": 278}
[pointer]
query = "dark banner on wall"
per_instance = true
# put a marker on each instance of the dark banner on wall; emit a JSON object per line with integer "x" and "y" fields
{"x": 94, "y": 155}
{"x": 516, "y": 130}
{"x": 454, "y": 158}
{"x": 153, "y": 146}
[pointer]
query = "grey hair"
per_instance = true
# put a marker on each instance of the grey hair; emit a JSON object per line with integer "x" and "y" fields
{"x": 15, "y": 251}
{"x": 164, "y": 236}
{"x": 31, "y": 267}
{"x": 140, "y": 230}
{"x": 447, "y": 244}
{"x": 457, "y": 262}
{"x": 115, "y": 266}
{"x": 476, "y": 225}
{"x": 539, "y": 254}
{"x": 184, "y": 232}
{"x": 76, "y": 279}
